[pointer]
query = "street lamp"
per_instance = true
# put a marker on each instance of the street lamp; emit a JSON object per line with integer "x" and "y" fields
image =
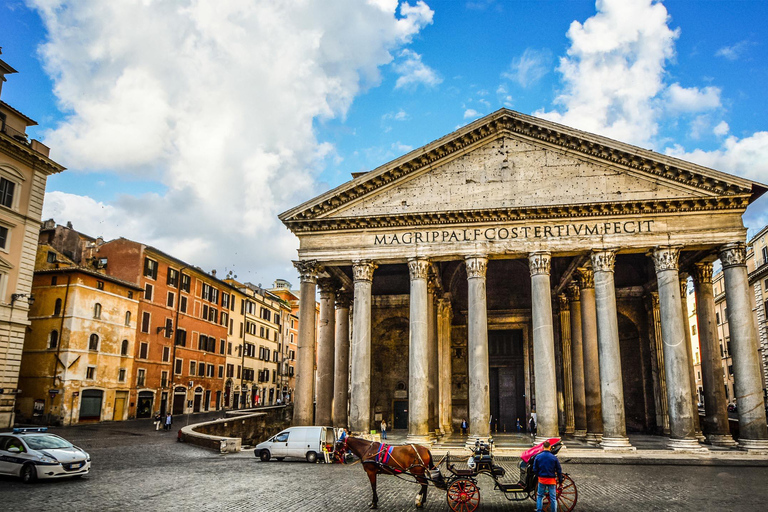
{"x": 17, "y": 296}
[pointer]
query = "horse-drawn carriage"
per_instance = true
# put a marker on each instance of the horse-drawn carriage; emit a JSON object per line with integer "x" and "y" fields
{"x": 461, "y": 485}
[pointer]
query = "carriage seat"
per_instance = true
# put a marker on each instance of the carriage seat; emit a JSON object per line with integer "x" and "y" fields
{"x": 464, "y": 472}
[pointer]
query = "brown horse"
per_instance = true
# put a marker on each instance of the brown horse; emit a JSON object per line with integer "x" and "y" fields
{"x": 412, "y": 460}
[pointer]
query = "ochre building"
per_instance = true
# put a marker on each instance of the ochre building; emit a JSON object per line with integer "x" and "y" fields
{"x": 519, "y": 266}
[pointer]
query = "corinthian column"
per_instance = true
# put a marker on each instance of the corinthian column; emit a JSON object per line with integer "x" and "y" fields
{"x": 673, "y": 326}
{"x": 477, "y": 331}
{"x": 688, "y": 345}
{"x": 591, "y": 361}
{"x": 445, "y": 318}
{"x": 543, "y": 346}
{"x": 716, "y": 428}
{"x": 360, "y": 399}
{"x": 432, "y": 357}
{"x": 418, "y": 353}
{"x": 753, "y": 432}
{"x": 305, "y": 350}
{"x": 325, "y": 353}
{"x": 577, "y": 364}
{"x": 565, "y": 333}
{"x": 341, "y": 366}
{"x": 611, "y": 383}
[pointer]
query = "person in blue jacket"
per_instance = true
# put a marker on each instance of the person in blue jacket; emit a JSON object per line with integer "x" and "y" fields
{"x": 547, "y": 468}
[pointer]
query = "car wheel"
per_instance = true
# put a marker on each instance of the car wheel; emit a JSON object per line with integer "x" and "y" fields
{"x": 264, "y": 455}
{"x": 311, "y": 457}
{"x": 28, "y": 473}
{"x": 279, "y": 459}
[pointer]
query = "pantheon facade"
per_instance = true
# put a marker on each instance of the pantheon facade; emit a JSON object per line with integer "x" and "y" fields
{"x": 517, "y": 266}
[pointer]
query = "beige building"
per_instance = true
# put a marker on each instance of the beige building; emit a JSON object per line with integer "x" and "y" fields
{"x": 79, "y": 350}
{"x": 24, "y": 169}
{"x": 518, "y": 265}
{"x": 757, "y": 265}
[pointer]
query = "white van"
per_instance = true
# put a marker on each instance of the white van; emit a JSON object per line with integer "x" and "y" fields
{"x": 302, "y": 442}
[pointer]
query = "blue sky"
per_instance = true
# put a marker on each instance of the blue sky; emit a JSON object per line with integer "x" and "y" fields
{"x": 155, "y": 123}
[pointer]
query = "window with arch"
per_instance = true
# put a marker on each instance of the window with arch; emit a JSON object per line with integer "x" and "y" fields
{"x": 57, "y": 308}
{"x": 127, "y": 318}
{"x": 97, "y": 310}
{"x": 124, "y": 348}
{"x": 53, "y": 340}
{"x": 93, "y": 342}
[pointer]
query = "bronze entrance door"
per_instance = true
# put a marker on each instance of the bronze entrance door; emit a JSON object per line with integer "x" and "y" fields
{"x": 507, "y": 379}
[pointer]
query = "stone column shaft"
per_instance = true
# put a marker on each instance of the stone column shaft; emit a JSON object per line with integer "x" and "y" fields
{"x": 673, "y": 326}
{"x": 660, "y": 383}
{"x": 325, "y": 354}
{"x": 303, "y": 394}
{"x": 360, "y": 385}
{"x": 432, "y": 359}
{"x": 341, "y": 364}
{"x": 543, "y": 347}
{"x": 418, "y": 353}
{"x": 716, "y": 428}
{"x": 446, "y": 370}
{"x": 591, "y": 358}
{"x": 565, "y": 329}
{"x": 477, "y": 333}
{"x": 577, "y": 365}
{"x": 747, "y": 379}
{"x": 689, "y": 346}
{"x": 611, "y": 383}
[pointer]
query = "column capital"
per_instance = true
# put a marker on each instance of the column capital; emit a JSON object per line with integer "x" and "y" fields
{"x": 308, "y": 270}
{"x": 665, "y": 257}
{"x": 573, "y": 292}
{"x": 476, "y": 266}
{"x": 733, "y": 255}
{"x": 343, "y": 300}
{"x": 327, "y": 286}
{"x": 539, "y": 262}
{"x": 702, "y": 272}
{"x": 363, "y": 270}
{"x": 418, "y": 268}
{"x": 586, "y": 277}
{"x": 563, "y": 301}
{"x": 603, "y": 260}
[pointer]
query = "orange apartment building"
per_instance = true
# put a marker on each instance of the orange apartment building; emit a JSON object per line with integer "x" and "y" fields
{"x": 182, "y": 329}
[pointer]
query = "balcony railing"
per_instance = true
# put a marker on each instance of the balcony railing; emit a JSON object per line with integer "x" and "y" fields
{"x": 14, "y": 133}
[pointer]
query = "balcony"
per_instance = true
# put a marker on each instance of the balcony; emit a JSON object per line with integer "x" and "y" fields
{"x": 21, "y": 137}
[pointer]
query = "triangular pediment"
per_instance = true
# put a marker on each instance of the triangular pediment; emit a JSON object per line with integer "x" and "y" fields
{"x": 509, "y": 164}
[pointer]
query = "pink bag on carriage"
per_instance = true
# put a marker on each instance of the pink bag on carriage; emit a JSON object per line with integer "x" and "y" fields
{"x": 528, "y": 454}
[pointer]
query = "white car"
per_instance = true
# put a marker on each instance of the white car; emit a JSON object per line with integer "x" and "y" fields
{"x": 32, "y": 453}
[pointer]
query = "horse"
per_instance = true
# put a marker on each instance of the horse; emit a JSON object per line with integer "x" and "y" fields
{"x": 378, "y": 458}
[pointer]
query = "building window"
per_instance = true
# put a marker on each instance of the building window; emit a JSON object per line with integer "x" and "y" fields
{"x": 54, "y": 280}
{"x": 148, "y": 292}
{"x": 166, "y": 354}
{"x": 97, "y": 310}
{"x": 168, "y": 327}
{"x": 229, "y": 349}
{"x": 765, "y": 254}
{"x": 717, "y": 317}
{"x": 150, "y": 268}
{"x": 163, "y": 379}
{"x": 7, "y": 188}
{"x": 210, "y": 371}
{"x": 178, "y": 366}
{"x": 141, "y": 377}
{"x": 730, "y": 369}
{"x": 221, "y": 371}
{"x": 127, "y": 318}
{"x": 201, "y": 369}
{"x": 124, "y": 348}
{"x": 100, "y": 285}
{"x": 183, "y": 304}
{"x": 222, "y": 346}
{"x": 171, "y": 298}
{"x": 121, "y": 375}
{"x": 50, "y": 258}
{"x": 192, "y": 367}
{"x": 173, "y": 278}
{"x": 130, "y": 295}
{"x": 57, "y": 308}
{"x": 145, "y": 321}
{"x": 93, "y": 342}
{"x": 53, "y": 340}
{"x": 186, "y": 282}
{"x": 90, "y": 373}
{"x": 181, "y": 337}
{"x": 143, "y": 350}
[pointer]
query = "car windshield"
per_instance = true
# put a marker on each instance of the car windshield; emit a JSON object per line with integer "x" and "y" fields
{"x": 48, "y": 442}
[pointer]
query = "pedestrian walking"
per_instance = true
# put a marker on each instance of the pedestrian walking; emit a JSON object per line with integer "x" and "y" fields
{"x": 547, "y": 468}
{"x": 383, "y": 429}
{"x": 158, "y": 420}
{"x": 168, "y": 421}
{"x": 464, "y": 427}
{"x": 532, "y": 425}
{"x": 518, "y": 426}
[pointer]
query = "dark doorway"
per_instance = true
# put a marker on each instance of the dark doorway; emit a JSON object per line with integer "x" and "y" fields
{"x": 198, "y": 399}
{"x": 90, "y": 405}
{"x": 400, "y": 420}
{"x": 179, "y": 397}
{"x": 507, "y": 379}
{"x": 163, "y": 403}
{"x": 144, "y": 404}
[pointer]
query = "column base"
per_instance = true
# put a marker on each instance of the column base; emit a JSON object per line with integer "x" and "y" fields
{"x": 722, "y": 440}
{"x": 438, "y": 433}
{"x": 617, "y": 444}
{"x": 473, "y": 438}
{"x": 593, "y": 438}
{"x": 754, "y": 446}
{"x": 579, "y": 434}
{"x": 700, "y": 436}
{"x": 419, "y": 439}
{"x": 569, "y": 431}
{"x": 688, "y": 445}
{"x": 448, "y": 429}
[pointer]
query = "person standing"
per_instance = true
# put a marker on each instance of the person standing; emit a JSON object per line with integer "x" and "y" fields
{"x": 168, "y": 421}
{"x": 547, "y": 468}
{"x": 518, "y": 426}
{"x": 158, "y": 420}
{"x": 383, "y": 429}
{"x": 464, "y": 427}
{"x": 532, "y": 425}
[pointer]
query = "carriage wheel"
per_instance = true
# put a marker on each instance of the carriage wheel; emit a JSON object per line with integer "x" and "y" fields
{"x": 566, "y": 496}
{"x": 463, "y": 496}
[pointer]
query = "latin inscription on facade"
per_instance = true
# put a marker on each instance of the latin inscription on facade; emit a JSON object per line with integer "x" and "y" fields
{"x": 491, "y": 234}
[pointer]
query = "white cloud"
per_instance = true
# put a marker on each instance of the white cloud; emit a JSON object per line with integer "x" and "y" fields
{"x": 413, "y": 71}
{"x": 692, "y": 99}
{"x": 471, "y": 113}
{"x": 614, "y": 69}
{"x": 747, "y": 157}
{"x": 216, "y": 101}
{"x": 399, "y": 147}
{"x": 530, "y": 67}
{"x": 721, "y": 129}
{"x": 734, "y": 51}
